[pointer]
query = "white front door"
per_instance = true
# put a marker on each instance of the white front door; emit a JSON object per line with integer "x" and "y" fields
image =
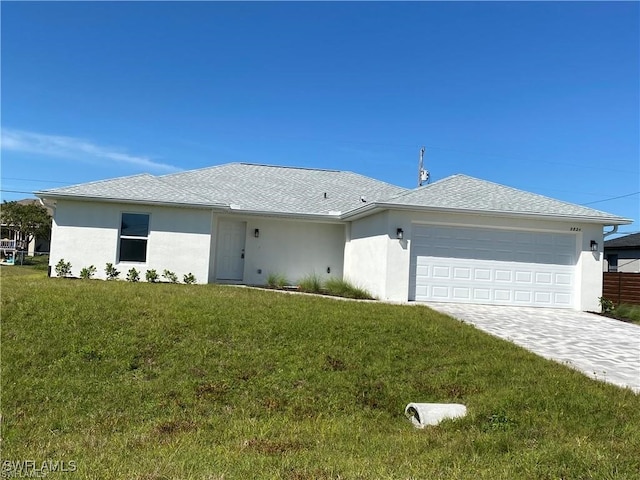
{"x": 230, "y": 252}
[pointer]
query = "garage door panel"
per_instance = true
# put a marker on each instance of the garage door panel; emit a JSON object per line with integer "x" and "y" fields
{"x": 461, "y": 293}
{"x": 461, "y": 273}
{"x": 523, "y": 277}
{"x": 509, "y": 268}
{"x": 543, "y": 298}
{"x": 544, "y": 278}
{"x": 501, "y": 295}
{"x": 482, "y": 294}
{"x": 503, "y": 275}
{"x": 423, "y": 270}
{"x": 482, "y": 274}
{"x": 441, "y": 293}
{"x": 441, "y": 271}
{"x": 562, "y": 299}
{"x": 523, "y": 296}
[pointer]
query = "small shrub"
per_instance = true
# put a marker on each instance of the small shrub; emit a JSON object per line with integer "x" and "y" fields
{"x": 606, "y": 305}
{"x": 111, "y": 272}
{"x": 170, "y": 276}
{"x": 310, "y": 284}
{"x": 133, "y": 275}
{"x": 189, "y": 278}
{"x": 87, "y": 272}
{"x": 342, "y": 288}
{"x": 276, "y": 280}
{"x": 63, "y": 269}
{"x": 151, "y": 276}
{"x": 629, "y": 312}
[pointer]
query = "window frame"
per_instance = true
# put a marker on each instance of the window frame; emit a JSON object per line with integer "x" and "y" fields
{"x": 125, "y": 237}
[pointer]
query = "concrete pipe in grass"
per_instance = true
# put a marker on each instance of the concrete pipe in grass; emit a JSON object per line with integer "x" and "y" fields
{"x": 423, "y": 414}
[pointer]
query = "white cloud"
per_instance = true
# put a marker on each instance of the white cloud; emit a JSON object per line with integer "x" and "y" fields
{"x": 74, "y": 148}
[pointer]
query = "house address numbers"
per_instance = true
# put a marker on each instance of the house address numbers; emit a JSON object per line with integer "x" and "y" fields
{"x": 576, "y": 229}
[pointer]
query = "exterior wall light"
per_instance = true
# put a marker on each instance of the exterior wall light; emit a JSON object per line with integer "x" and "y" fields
{"x": 256, "y": 232}
{"x": 594, "y": 246}
{"x": 399, "y": 234}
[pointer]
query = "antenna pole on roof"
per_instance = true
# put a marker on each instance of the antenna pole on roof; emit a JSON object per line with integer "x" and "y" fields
{"x": 423, "y": 175}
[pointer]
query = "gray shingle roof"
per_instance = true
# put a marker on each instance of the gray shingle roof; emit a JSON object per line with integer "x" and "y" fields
{"x": 461, "y": 192}
{"x": 628, "y": 241}
{"x": 303, "y": 191}
{"x": 138, "y": 188}
{"x": 266, "y": 188}
{"x": 241, "y": 186}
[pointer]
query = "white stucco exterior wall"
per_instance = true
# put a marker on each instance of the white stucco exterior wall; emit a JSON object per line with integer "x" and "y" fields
{"x": 589, "y": 268}
{"x": 87, "y": 233}
{"x": 293, "y": 248}
{"x": 365, "y": 254}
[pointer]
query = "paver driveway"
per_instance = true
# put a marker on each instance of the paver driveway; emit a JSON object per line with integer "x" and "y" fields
{"x": 601, "y": 347}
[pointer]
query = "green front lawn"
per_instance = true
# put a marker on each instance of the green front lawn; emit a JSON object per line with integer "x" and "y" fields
{"x": 160, "y": 381}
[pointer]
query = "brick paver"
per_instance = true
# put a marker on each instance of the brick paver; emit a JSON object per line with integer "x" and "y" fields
{"x": 602, "y": 348}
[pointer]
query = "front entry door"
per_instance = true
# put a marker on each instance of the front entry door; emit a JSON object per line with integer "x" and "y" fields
{"x": 230, "y": 254}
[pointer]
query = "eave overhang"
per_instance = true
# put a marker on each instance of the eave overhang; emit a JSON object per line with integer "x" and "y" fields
{"x": 374, "y": 207}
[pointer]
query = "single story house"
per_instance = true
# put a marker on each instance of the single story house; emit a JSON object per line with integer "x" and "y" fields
{"x": 459, "y": 239}
{"x": 622, "y": 254}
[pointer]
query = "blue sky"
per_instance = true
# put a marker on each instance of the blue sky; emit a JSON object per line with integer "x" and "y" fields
{"x": 541, "y": 96}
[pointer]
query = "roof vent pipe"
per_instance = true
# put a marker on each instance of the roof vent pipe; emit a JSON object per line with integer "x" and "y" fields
{"x": 614, "y": 230}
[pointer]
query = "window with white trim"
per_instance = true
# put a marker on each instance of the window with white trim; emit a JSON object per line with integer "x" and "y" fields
{"x": 134, "y": 233}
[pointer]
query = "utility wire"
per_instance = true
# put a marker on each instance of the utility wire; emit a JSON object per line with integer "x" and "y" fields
{"x": 612, "y": 198}
{"x": 15, "y": 191}
{"x": 34, "y": 180}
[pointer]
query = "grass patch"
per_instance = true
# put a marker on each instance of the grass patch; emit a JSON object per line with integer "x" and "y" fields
{"x": 132, "y": 380}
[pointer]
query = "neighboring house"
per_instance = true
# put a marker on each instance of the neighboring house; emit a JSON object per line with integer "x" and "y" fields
{"x": 35, "y": 246}
{"x": 622, "y": 254}
{"x": 459, "y": 239}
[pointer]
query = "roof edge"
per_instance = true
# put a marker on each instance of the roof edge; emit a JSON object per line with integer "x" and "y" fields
{"x": 54, "y": 196}
{"x": 375, "y": 206}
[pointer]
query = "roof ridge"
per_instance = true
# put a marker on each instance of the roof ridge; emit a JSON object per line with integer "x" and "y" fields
{"x": 291, "y": 167}
{"x": 212, "y": 167}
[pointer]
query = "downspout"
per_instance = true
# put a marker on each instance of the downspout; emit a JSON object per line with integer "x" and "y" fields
{"x": 614, "y": 230}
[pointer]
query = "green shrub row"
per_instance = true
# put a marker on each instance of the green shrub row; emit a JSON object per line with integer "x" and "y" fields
{"x": 63, "y": 269}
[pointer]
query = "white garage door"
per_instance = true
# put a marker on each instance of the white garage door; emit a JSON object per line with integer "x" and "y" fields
{"x": 489, "y": 266}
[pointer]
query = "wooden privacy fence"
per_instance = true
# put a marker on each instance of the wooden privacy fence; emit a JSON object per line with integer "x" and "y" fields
{"x": 621, "y": 287}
